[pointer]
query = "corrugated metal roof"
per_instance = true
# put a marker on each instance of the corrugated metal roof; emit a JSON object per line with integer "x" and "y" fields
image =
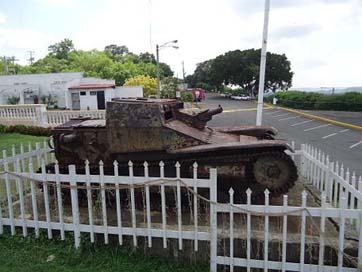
{"x": 92, "y": 86}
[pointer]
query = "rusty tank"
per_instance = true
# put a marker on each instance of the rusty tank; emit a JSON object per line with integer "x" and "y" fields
{"x": 154, "y": 130}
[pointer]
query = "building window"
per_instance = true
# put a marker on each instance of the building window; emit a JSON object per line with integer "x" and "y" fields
{"x": 93, "y": 93}
{"x": 82, "y": 93}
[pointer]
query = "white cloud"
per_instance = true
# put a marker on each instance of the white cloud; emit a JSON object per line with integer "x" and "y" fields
{"x": 2, "y": 18}
{"x": 54, "y": 2}
{"x": 322, "y": 38}
{"x": 16, "y": 42}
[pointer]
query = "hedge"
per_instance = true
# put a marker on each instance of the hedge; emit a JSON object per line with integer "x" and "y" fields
{"x": 351, "y": 101}
{"x": 28, "y": 130}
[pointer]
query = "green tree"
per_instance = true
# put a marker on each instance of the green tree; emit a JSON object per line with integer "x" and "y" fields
{"x": 114, "y": 62}
{"x": 165, "y": 70}
{"x": 61, "y": 49}
{"x": 242, "y": 68}
{"x": 169, "y": 86}
{"x": 147, "y": 58}
{"x": 148, "y": 83}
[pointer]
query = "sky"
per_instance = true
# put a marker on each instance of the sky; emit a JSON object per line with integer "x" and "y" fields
{"x": 321, "y": 38}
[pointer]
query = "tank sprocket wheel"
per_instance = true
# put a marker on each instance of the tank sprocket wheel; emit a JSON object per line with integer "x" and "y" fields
{"x": 274, "y": 171}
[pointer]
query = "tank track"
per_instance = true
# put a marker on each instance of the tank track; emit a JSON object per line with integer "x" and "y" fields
{"x": 212, "y": 160}
{"x": 240, "y": 188}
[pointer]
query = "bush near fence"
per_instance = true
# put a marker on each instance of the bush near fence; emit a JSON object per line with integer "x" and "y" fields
{"x": 351, "y": 101}
{"x": 27, "y": 130}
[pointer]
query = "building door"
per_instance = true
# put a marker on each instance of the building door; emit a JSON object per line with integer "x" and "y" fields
{"x": 75, "y": 101}
{"x": 100, "y": 100}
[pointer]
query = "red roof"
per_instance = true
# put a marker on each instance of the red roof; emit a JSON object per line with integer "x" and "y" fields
{"x": 92, "y": 86}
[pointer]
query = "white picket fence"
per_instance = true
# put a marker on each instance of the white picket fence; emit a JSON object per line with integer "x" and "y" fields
{"x": 38, "y": 115}
{"x": 221, "y": 221}
{"x": 331, "y": 177}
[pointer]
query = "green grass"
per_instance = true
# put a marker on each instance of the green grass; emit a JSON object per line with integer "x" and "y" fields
{"x": 31, "y": 254}
{"x": 9, "y": 139}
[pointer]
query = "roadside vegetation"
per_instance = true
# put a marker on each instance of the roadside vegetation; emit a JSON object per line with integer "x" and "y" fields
{"x": 351, "y": 101}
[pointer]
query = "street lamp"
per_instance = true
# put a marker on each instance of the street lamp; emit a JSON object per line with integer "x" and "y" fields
{"x": 159, "y": 47}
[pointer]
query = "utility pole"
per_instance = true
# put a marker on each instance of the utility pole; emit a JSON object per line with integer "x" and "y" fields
{"x": 183, "y": 71}
{"x": 13, "y": 59}
{"x": 259, "y": 112}
{"x": 158, "y": 73}
{"x": 6, "y": 71}
{"x": 31, "y": 57}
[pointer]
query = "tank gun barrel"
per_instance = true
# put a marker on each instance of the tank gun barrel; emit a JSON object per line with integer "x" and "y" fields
{"x": 207, "y": 115}
{"x": 199, "y": 120}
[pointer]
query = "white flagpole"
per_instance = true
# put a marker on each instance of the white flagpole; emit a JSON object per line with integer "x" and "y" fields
{"x": 259, "y": 112}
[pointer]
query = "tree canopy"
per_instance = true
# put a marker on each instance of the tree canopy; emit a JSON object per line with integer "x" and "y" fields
{"x": 148, "y": 83}
{"x": 114, "y": 62}
{"x": 242, "y": 68}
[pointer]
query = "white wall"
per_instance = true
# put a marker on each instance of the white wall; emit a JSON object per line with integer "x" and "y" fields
{"x": 89, "y": 101}
{"x": 56, "y": 84}
{"x": 128, "y": 91}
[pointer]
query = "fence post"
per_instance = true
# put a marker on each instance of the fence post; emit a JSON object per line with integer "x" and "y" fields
{"x": 302, "y": 160}
{"x": 8, "y": 193}
{"x": 293, "y": 147}
{"x": 75, "y": 207}
{"x": 213, "y": 220}
{"x": 41, "y": 116}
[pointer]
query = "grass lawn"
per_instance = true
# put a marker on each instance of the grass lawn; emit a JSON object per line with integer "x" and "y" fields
{"x": 31, "y": 254}
{"x": 8, "y": 139}
{"x": 6, "y": 142}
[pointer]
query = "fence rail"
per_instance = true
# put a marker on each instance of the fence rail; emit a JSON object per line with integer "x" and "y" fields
{"x": 38, "y": 115}
{"x": 95, "y": 204}
{"x": 55, "y": 118}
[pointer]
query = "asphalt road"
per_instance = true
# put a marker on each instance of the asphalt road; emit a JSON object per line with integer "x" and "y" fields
{"x": 341, "y": 144}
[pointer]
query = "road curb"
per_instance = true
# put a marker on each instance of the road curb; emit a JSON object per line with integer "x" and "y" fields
{"x": 246, "y": 109}
{"x": 331, "y": 121}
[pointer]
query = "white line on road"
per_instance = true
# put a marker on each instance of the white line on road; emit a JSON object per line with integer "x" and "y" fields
{"x": 321, "y": 126}
{"x": 272, "y": 112}
{"x": 288, "y": 118}
{"x": 280, "y": 115}
{"x": 344, "y": 130}
{"x": 330, "y": 135}
{"x": 301, "y": 123}
{"x": 354, "y": 145}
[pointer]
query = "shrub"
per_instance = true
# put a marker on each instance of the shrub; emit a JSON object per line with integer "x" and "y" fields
{"x": 13, "y": 100}
{"x": 187, "y": 97}
{"x": 315, "y": 101}
{"x": 204, "y": 86}
{"x": 28, "y": 130}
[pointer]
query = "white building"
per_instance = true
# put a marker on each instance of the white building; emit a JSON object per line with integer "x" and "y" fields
{"x": 57, "y": 87}
{"x": 95, "y": 96}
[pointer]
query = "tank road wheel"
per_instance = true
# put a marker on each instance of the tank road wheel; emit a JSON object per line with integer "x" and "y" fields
{"x": 274, "y": 171}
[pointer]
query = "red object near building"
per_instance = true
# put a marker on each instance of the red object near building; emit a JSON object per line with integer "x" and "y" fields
{"x": 198, "y": 94}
